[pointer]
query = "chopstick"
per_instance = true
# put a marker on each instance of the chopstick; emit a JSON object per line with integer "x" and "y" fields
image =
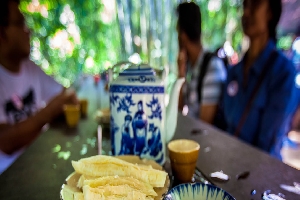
{"x": 99, "y": 134}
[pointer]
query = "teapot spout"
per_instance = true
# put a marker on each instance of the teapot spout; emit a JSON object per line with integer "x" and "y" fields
{"x": 172, "y": 110}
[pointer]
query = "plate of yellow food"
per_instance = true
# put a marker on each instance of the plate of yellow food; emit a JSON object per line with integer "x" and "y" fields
{"x": 114, "y": 178}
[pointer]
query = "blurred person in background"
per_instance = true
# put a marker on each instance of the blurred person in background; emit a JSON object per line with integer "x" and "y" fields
{"x": 29, "y": 98}
{"x": 201, "y": 98}
{"x": 296, "y": 49}
{"x": 293, "y": 52}
{"x": 261, "y": 96}
{"x": 295, "y": 57}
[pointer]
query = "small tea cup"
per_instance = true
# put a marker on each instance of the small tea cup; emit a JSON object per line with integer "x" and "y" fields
{"x": 72, "y": 114}
{"x": 83, "y": 107}
{"x": 183, "y": 155}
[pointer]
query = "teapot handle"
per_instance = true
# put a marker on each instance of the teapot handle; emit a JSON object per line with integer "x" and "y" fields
{"x": 110, "y": 70}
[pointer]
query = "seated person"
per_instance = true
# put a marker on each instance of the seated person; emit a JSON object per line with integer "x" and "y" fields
{"x": 29, "y": 98}
{"x": 261, "y": 96}
{"x": 201, "y": 101}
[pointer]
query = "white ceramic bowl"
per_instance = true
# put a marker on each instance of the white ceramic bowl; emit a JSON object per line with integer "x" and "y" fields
{"x": 197, "y": 191}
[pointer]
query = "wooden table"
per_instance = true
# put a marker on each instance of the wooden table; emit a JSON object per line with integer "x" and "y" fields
{"x": 220, "y": 151}
{"x": 41, "y": 170}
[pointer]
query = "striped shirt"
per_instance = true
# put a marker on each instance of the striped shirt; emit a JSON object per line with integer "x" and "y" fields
{"x": 211, "y": 87}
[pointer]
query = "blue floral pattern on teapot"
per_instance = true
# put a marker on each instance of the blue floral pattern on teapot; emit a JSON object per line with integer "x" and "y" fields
{"x": 138, "y": 113}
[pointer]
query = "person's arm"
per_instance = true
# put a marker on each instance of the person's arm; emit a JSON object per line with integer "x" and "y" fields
{"x": 181, "y": 63}
{"x": 212, "y": 90}
{"x": 49, "y": 87}
{"x": 208, "y": 112}
{"x": 277, "y": 114}
{"x": 14, "y": 137}
{"x": 181, "y": 100}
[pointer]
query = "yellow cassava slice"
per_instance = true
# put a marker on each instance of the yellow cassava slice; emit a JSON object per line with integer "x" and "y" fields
{"x": 146, "y": 167}
{"x": 84, "y": 178}
{"x": 136, "y": 184}
{"x": 101, "y": 165}
{"x": 123, "y": 192}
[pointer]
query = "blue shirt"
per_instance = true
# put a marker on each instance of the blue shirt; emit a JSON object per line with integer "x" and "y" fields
{"x": 270, "y": 114}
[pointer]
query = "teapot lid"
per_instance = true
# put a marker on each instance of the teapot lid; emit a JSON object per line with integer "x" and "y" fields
{"x": 137, "y": 70}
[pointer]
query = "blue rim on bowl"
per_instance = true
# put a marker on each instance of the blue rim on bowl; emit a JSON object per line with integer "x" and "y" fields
{"x": 193, "y": 191}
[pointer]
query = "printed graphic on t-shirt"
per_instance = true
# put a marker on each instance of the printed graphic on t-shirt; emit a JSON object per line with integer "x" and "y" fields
{"x": 20, "y": 108}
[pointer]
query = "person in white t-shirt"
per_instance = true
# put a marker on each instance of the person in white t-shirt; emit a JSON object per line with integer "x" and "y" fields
{"x": 29, "y": 98}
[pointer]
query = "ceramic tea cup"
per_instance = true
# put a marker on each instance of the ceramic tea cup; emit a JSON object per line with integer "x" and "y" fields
{"x": 183, "y": 156}
{"x": 72, "y": 114}
{"x": 83, "y": 107}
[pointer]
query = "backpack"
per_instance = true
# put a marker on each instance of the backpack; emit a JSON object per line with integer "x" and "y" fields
{"x": 219, "y": 119}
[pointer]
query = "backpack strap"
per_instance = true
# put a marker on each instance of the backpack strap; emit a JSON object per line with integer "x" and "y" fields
{"x": 203, "y": 69}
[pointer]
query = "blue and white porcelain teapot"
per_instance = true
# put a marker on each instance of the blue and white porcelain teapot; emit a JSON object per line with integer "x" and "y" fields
{"x": 141, "y": 123}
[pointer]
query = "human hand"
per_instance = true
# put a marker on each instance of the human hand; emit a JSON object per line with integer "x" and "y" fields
{"x": 71, "y": 97}
{"x": 55, "y": 106}
{"x": 181, "y": 62}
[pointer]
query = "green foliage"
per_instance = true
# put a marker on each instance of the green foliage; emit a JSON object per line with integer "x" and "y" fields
{"x": 154, "y": 21}
{"x": 221, "y": 22}
{"x": 70, "y": 37}
{"x": 285, "y": 42}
